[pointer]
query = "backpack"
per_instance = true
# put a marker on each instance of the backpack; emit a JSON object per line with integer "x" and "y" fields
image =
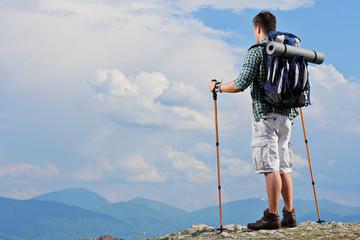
{"x": 287, "y": 82}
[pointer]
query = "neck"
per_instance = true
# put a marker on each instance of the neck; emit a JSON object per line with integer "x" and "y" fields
{"x": 261, "y": 37}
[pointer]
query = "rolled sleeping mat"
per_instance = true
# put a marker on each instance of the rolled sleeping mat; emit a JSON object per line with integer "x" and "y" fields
{"x": 284, "y": 50}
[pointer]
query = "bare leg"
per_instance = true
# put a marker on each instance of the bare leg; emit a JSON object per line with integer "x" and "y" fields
{"x": 273, "y": 187}
{"x": 287, "y": 190}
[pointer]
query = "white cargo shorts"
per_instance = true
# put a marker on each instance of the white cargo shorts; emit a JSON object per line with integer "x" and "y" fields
{"x": 270, "y": 145}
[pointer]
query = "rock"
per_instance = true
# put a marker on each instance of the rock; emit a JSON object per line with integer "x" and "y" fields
{"x": 209, "y": 229}
{"x": 306, "y": 223}
{"x": 313, "y": 224}
{"x": 225, "y": 234}
{"x": 326, "y": 225}
{"x": 233, "y": 227}
{"x": 106, "y": 237}
{"x": 252, "y": 234}
{"x": 339, "y": 224}
{"x": 305, "y": 230}
{"x": 267, "y": 231}
{"x": 199, "y": 227}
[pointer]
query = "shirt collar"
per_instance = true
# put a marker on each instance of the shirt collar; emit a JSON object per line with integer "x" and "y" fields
{"x": 265, "y": 40}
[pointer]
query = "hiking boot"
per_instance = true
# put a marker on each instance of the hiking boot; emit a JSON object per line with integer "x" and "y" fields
{"x": 289, "y": 219}
{"x": 268, "y": 221}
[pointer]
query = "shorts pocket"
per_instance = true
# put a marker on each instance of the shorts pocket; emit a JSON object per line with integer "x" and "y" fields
{"x": 260, "y": 154}
{"x": 290, "y": 155}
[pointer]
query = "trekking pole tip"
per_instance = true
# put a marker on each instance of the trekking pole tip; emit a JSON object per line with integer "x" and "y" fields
{"x": 320, "y": 221}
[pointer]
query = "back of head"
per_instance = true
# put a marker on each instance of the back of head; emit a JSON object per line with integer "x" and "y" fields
{"x": 266, "y": 21}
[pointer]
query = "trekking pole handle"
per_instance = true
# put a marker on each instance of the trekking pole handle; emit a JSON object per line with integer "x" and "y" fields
{"x": 214, "y": 90}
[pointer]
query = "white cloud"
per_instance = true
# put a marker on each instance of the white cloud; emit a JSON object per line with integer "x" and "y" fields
{"x": 136, "y": 164}
{"x": 150, "y": 175}
{"x": 141, "y": 171}
{"x": 301, "y": 165}
{"x": 135, "y": 37}
{"x": 187, "y": 118}
{"x": 25, "y": 169}
{"x": 226, "y": 152}
{"x": 331, "y": 162}
{"x": 180, "y": 93}
{"x": 133, "y": 169}
{"x": 300, "y": 162}
{"x": 334, "y": 99}
{"x": 132, "y": 35}
{"x": 236, "y": 167}
{"x": 95, "y": 145}
{"x": 195, "y": 171}
{"x": 56, "y": 6}
{"x": 94, "y": 172}
{"x": 22, "y": 194}
{"x": 200, "y": 177}
{"x": 202, "y": 148}
{"x": 190, "y": 5}
{"x": 154, "y": 67}
{"x": 183, "y": 161}
{"x": 136, "y": 100}
{"x": 29, "y": 5}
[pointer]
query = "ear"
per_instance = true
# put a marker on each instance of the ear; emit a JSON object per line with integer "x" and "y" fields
{"x": 258, "y": 29}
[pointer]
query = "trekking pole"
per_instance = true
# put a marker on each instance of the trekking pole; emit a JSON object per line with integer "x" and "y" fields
{"x": 217, "y": 153}
{"x": 312, "y": 177}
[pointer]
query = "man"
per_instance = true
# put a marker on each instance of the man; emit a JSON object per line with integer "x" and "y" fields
{"x": 271, "y": 130}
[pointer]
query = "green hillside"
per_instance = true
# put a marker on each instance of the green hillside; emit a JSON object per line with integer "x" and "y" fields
{"x": 79, "y": 197}
{"x": 43, "y": 220}
{"x": 49, "y": 220}
{"x": 162, "y": 207}
{"x": 154, "y": 218}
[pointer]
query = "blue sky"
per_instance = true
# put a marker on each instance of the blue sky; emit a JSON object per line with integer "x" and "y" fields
{"x": 112, "y": 96}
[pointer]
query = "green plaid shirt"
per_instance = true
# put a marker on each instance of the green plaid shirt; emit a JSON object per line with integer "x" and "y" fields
{"x": 253, "y": 74}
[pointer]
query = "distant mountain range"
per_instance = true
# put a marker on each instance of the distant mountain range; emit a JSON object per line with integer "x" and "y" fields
{"x": 79, "y": 213}
{"x": 79, "y": 197}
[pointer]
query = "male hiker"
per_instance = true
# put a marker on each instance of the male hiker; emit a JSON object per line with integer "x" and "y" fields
{"x": 271, "y": 130}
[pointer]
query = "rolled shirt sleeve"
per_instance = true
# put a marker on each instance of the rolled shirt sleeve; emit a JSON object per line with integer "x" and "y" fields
{"x": 249, "y": 70}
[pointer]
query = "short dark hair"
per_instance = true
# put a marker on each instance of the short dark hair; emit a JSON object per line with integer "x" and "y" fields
{"x": 266, "y": 21}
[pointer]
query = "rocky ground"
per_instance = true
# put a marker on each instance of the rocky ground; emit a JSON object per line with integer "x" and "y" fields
{"x": 305, "y": 230}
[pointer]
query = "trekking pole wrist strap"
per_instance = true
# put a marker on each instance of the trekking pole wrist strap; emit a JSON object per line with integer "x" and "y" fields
{"x": 217, "y": 87}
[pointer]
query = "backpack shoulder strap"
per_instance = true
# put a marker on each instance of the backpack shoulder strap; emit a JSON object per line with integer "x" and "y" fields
{"x": 274, "y": 34}
{"x": 257, "y": 45}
